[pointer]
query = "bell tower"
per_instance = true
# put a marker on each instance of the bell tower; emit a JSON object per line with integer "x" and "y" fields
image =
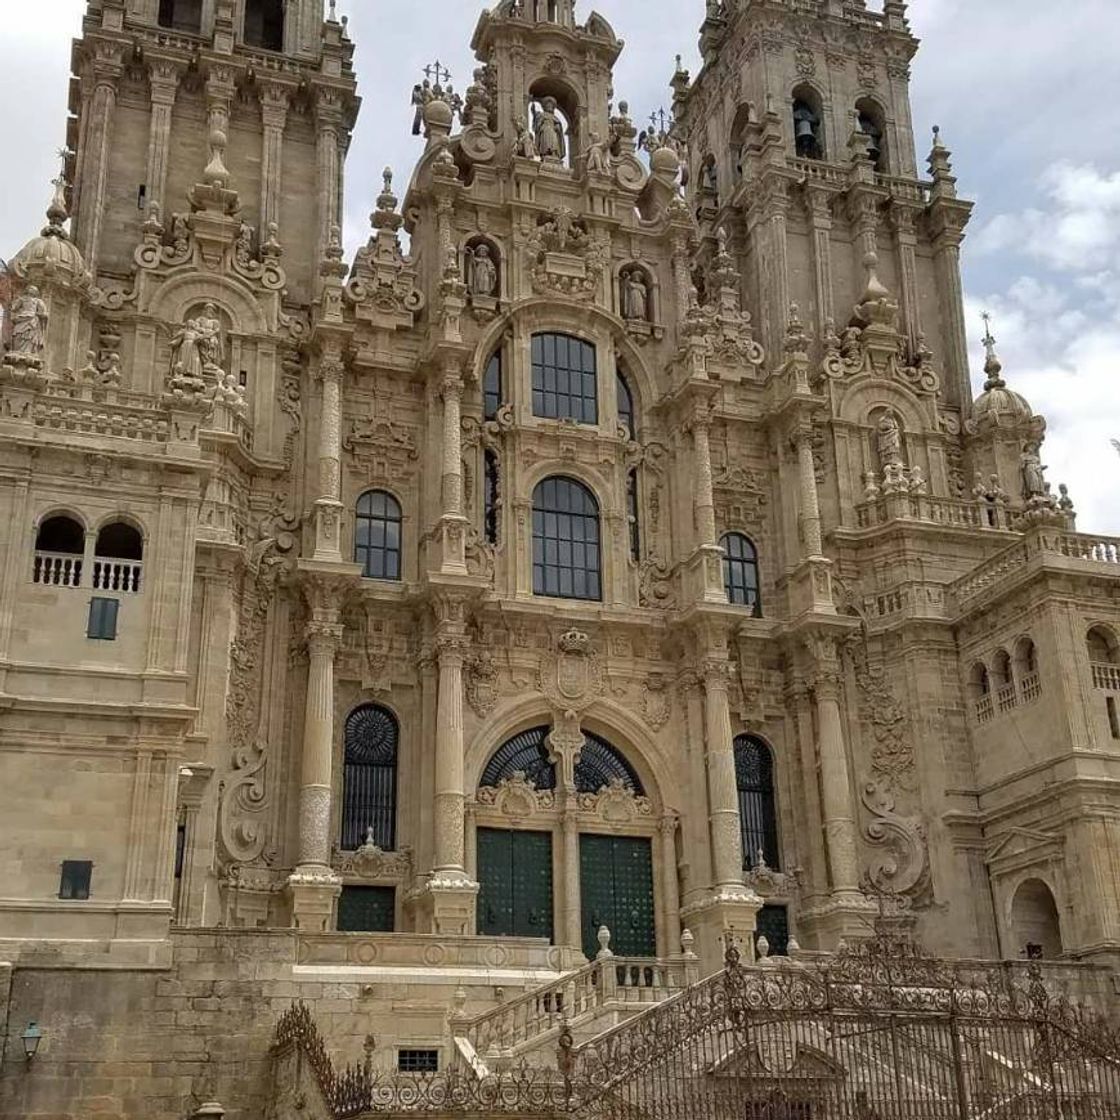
{"x": 160, "y": 83}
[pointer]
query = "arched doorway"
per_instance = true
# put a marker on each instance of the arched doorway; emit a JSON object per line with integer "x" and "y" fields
{"x": 561, "y": 862}
{"x": 1035, "y": 926}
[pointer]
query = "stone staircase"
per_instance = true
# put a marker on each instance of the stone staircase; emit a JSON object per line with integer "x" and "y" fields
{"x": 590, "y": 1000}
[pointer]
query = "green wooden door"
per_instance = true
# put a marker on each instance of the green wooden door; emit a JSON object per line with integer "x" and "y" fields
{"x": 616, "y": 882}
{"x": 366, "y": 909}
{"x": 515, "y": 883}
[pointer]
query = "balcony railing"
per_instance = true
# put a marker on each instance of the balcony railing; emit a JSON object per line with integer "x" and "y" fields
{"x": 57, "y": 569}
{"x": 984, "y": 709}
{"x": 1106, "y": 676}
{"x": 116, "y": 575}
{"x": 1030, "y": 688}
{"x": 952, "y": 512}
{"x": 1006, "y": 698}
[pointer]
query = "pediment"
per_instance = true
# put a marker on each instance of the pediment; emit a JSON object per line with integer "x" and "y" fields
{"x": 1018, "y": 842}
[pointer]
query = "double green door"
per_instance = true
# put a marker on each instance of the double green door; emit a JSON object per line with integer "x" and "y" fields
{"x": 515, "y": 883}
{"x": 616, "y": 882}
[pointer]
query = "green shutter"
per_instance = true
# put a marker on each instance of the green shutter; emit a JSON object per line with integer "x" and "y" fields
{"x": 515, "y": 883}
{"x": 366, "y": 909}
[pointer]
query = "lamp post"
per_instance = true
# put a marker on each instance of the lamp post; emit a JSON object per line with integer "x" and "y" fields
{"x": 31, "y": 1037}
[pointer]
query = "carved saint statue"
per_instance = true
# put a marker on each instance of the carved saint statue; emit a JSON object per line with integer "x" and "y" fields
{"x": 243, "y": 246}
{"x": 548, "y": 130}
{"x": 598, "y": 162}
{"x": 890, "y": 440}
{"x": 635, "y": 295}
{"x": 29, "y": 323}
{"x": 525, "y": 145}
{"x": 180, "y": 234}
{"x": 1034, "y": 481}
{"x": 484, "y": 273}
{"x": 196, "y": 347}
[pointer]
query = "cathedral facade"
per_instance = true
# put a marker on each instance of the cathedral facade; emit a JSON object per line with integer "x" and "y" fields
{"x": 624, "y": 567}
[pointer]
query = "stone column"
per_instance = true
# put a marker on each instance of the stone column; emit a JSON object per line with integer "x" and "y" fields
{"x": 723, "y": 803}
{"x": 104, "y": 72}
{"x": 274, "y": 117}
{"x": 164, "y": 85}
{"x": 328, "y": 116}
{"x": 837, "y": 807}
{"x": 571, "y": 922}
{"x": 947, "y": 262}
{"x": 810, "y": 510}
{"x": 670, "y": 885}
{"x": 906, "y": 241}
{"x": 136, "y": 856}
{"x": 313, "y": 885}
{"x": 328, "y": 506}
{"x": 704, "y": 494}
{"x": 775, "y": 263}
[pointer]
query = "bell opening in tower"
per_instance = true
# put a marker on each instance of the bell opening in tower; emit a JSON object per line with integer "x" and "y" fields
{"x": 264, "y": 24}
{"x": 807, "y": 117}
{"x": 181, "y": 15}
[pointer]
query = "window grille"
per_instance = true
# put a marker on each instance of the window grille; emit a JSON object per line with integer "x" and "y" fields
{"x": 369, "y": 778}
{"x": 758, "y": 819}
{"x": 418, "y": 1061}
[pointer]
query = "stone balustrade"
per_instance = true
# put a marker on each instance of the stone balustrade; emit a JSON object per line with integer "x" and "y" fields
{"x": 117, "y": 575}
{"x": 1106, "y": 676}
{"x": 950, "y": 512}
{"x": 57, "y": 569}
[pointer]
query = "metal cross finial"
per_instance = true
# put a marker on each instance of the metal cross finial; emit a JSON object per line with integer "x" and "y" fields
{"x": 658, "y": 119}
{"x": 988, "y": 340}
{"x": 438, "y": 73}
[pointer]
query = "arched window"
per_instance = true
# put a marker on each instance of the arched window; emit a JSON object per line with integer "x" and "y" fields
{"x": 60, "y": 545}
{"x": 980, "y": 683}
{"x": 377, "y": 535}
{"x": 1104, "y": 657}
{"x": 807, "y": 134}
{"x": 492, "y": 387}
{"x": 632, "y": 515}
{"x": 526, "y": 753}
{"x": 565, "y": 380}
{"x": 369, "y": 778}
{"x": 758, "y": 818}
{"x": 566, "y": 562}
{"x": 870, "y": 119}
{"x": 1103, "y": 647}
{"x": 626, "y": 415}
{"x": 181, "y": 15}
{"x": 264, "y": 24}
{"x": 117, "y": 557}
{"x": 740, "y": 572}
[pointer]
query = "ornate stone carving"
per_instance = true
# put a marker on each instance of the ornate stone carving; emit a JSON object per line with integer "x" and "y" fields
{"x": 564, "y": 259}
{"x": 482, "y": 683}
{"x": 573, "y": 675}
{"x": 615, "y": 803}
{"x": 655, "y": 701}
{"x": 381, "y": 448}
{"x": 516, "y": 797}
{"x": 371, "y": 863}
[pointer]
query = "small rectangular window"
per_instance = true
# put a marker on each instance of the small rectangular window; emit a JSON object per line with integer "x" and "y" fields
{"x": 103, "y": 619}
{"x": 76, "y": 874}
{"x": 180, "y": 848}
{"x": 418, "y": 1061}
{"x": 1113, "y": 721}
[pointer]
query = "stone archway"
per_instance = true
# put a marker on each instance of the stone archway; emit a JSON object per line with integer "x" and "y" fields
{"x": 1035, "y": 926}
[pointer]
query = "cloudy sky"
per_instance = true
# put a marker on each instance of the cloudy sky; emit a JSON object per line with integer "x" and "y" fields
{"x": 1023, "y": 91}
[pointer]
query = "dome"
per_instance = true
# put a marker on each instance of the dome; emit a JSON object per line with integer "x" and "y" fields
{"x": 998, "y": 406}
{"x": 52, "y": 256}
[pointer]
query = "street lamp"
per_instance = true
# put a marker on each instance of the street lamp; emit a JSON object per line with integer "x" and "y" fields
{"x": 32, "y": 1036}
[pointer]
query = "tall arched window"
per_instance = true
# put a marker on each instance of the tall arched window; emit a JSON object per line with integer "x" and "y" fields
{"x": 600, "y": 764}
{"x": 632, "y": 515}
{"x": 758, "y": 818}
{"x": 566, "y": 562}
{"x": 626, "y": 415}
{"x": 807, "y": 133}
{"x": 565, "y": 381}
{"x": 118, "y": 553}
{"x": 60, "y": 545}
{"x": 740, "y": 572}
{"x": 369, "y": 778}
{"x": 377, "y": 535}
{"x": 492, "y": 387}
{"x": 870, "y": 119}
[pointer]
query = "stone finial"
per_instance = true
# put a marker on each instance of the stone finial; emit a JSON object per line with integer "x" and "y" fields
{"x": 687, "y": 943}
{"x": 216, "y": 174}
{"x": 385, "y": 214}
{"x": 876, "y": 306}
{"x": 993, "y": 367}
{"x": 604, "y": 939}
{"x": 941, "y": 167}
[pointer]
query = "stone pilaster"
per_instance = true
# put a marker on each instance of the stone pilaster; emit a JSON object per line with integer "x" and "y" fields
{"x": 313, "y": 886}
{"x": 820, "y": 218}
{"x": 104, "y": 73}
{"x": 328, "y": 506}
{"x": 328, "y": 122}
{"x": 706, "y": 563}
{"x": 274, "y": 117}
{"x": 670, "y": 887}
{"x": 163, "y": 89}
{"x": 903, "y": 222}
{"x": 947, "y": 265}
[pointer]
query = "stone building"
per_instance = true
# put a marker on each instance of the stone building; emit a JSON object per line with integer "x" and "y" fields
{"x": 625, "y": 564}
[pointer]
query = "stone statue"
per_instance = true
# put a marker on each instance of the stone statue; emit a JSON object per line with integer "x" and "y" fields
{"x": 196, "y": 347}
{"x": 243, "y": 246}
{"x": 635, "y": 295}
{"x": 525, "y": 145}
{"x": 598, "y": 163}
{"x": 548, "y": 130}
{"x": 1034, "y": 481}
{"x": 890, "y": 440}
{"x": 29, "y": 323}
{"x": 180, "y": 234}
{"x": 708, "y": 179}
{"x": 484, "y": 272}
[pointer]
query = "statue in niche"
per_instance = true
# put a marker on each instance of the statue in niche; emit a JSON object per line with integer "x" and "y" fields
{"x": 483, "y": 271}
{"x": 598, "y": 162}
{"x": 243, "y": 246}
{"x": 525, "y": 145}
{"x": 635, "y": 296}
{"x": 708, "y": 180}
{"x": 29, "y": 323}
{"x": 180, "y": 234}
{"x": 890, "y": 441}
{"x": 548, "y": 130}
{"x": 196, "y": 347}
{"x": 1034, "y": 480}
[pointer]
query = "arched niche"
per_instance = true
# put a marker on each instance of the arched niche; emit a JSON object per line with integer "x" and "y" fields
{"x": 637, "y": 294}
{"x": 871, "y": 118}
{"x": 1036, "y": 928}
{"x": 234, "y": 300}
{"x": 482, "y": 264}
{"x": 550, "y": 93}
{"x": 807, "y": 121}
{"x": 979, "y": 681}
